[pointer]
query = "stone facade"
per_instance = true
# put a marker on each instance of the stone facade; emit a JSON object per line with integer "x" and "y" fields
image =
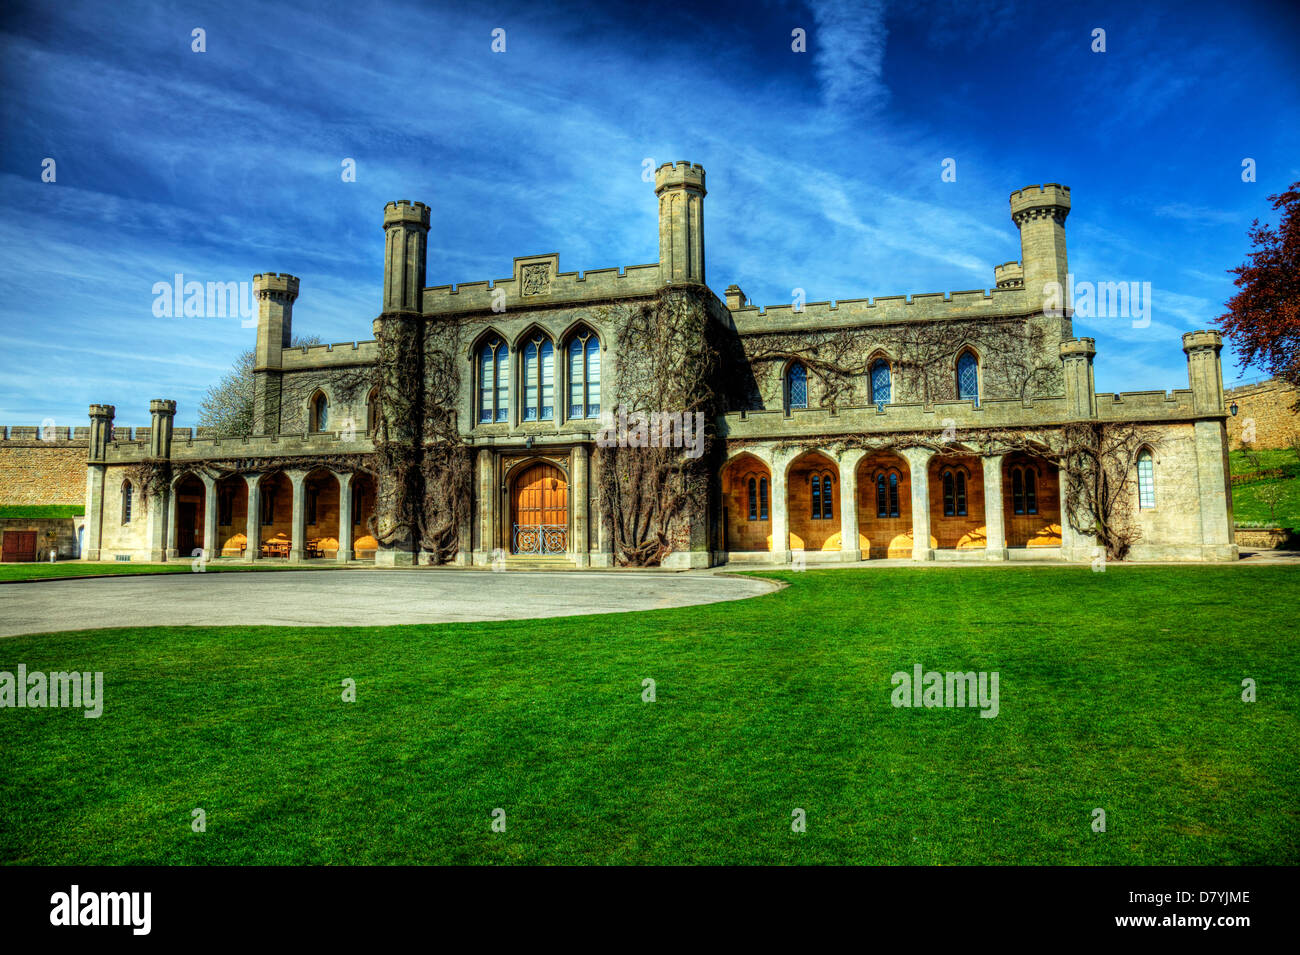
{"x": 896, "y": 426}
{"x": 42, "y": 466}
{"x": 1266, "y": 414}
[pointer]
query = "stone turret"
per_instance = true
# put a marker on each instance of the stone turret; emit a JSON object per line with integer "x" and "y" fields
{"x": 680, "y": 188}
{"x": 406, "y": 228}
{"x": 1039, "y": 213}
{"x": 276, "y": 293}
{"x": 1205, "y": 370}
{"x": 162, "y": 412}
{"x": 1009, "y": 275}
{"x": 101, "y": 431}
{"x": 1080, "y": 388}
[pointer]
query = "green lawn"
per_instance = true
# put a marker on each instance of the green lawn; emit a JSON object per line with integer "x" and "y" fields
{"x": 75, "y": 568}
{"x": 31, "y": 512}
{"x": 1248, "y": 504}
{"x": 1119, "y": 690}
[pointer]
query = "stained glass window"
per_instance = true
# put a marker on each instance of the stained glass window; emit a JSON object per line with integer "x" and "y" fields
{"x": 797, "y": 386}
{"x": 968, "y": 377}
{"x": 880, "y": 382}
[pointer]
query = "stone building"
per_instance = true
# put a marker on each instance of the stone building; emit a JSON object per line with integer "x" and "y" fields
{"x": 485, "y": 422}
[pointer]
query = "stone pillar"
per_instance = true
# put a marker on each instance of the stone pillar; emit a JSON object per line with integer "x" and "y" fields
{"x": 156, "y": 528}
{"x": 161, "y": 416}
{"x": 94, "y": 511}
{"x": 298, "y": 523}
{"x": 1074, "y": 546}
{"x": 995, "y": 542}
{"x": 209, "y": 517}
{"x": 345, "y": 516}
{"x": 253, "y": 529}
{"x": 1218, "y": 537}
{"x": 780, "y": 509}
{"x": 170, "y": 531}
{"x": 918, "y": 465}
{"x": 581, "y": 542}
{"x": 849, "y": 549}
{"x": 1077, "y": 355}
{"x": 604, "y": 556}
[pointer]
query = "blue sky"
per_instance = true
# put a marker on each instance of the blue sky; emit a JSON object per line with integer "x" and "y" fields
{"x": 824, "y": 168}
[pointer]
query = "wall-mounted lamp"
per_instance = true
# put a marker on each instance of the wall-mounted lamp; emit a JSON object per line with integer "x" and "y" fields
{"x": 1233, "y": 409}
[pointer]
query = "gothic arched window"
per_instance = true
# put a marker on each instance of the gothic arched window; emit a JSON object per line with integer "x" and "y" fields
{"x": 968, "y": 377}
{"x": 796, "y": 386}
{"x": 539, "y": 380}
{"x": 1146, "y": 480}
{"x": 318, "y": 413}
{"x": 493, "y": 382}
{"x": 584, "y": 375}
{"x": 127, "y": 494}
{"x": 880, "y": 382}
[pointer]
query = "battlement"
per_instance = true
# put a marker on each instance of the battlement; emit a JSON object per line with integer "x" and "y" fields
{"x": 1072, "y": 347}
{"x": 162, "y": 406}
{"x": 1050, "y": 199}
{"x": 679, "y": 173}
{"x": 325, "y": 356}
{"x": 538, "y": 281}
{"x": 50, "y": 434}
{"x": 1009, "y": 275}
{"x": 276, "y": 284}
{"x": 404, "y": 210}
{"x": 1202, "y": 339}
{"x": 848, "y": 312}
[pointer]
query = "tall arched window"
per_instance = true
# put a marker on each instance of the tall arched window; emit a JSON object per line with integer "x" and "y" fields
{"x": 796, "y": 386}
{"x": 887, "y": 494}
{"x": 753, "y": 499}
{"x": 1017, "y": 491}
{"x": 127, "y": 494}
{"x": 1031, "y": 491}
{"x": 493, "y": 382}
{"x": 372, "y": 411}
{"x": 880, "y": 383}
{"x": 1146, "y": 480}
{"x": 318, "y": 413}
{"x": 968, "y": 377}
{"x": 822, "y": 501}
{"x": 954, "y": 493}
{"x": 584, "y": 375}
{"x": 1024, "y": 490}
{"x": 756, "y": 486}
{"x": 539, "y": 380}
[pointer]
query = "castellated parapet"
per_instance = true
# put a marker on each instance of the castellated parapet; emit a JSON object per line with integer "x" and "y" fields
{"x": 1009, "y": 275}
{"x": 404, "y": 210}
{"x": 276, "y": 286}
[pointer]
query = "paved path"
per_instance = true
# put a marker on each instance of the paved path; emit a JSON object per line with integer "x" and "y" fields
{"x": 349, "y": 598}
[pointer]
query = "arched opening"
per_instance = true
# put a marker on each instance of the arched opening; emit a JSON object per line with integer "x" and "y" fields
{"x": 884, "y": 506}
{"x": 362, "y": 490}
{"x": 1031, "y": 506}
{"x": 583, "y": 373}
{"x": 957, "y": 502}
{"x": 813, "y": 496}
{"x": 232, "y": 516}
{"x": 746, "y": 505}
{"x": 318, "y": 413}
{"x": 539, "y": 511}
{"x": 276, "y": 518}
{"x": 1146, "y": 475}
{"x": 320, "y": 491}
{"x": 796, "y": 387}
{"x": 190, "y": 512}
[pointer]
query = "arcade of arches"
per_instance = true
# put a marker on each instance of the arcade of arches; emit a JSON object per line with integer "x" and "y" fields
{"x": 883, "y": 501}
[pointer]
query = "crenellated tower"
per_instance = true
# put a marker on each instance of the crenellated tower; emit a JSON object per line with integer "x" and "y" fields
{"x": 680, "y": 188}
{"x": 406, "y": 236}
{"x": 1039, "y": 213}
{"x": 275, "y": 293}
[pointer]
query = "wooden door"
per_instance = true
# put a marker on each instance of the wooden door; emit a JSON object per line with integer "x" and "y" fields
{"x": 19, "y": 546}
{"x": 539, "y": 511}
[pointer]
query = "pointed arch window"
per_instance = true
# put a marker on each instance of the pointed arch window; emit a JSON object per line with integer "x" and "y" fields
{"x": 1017, "y": 491}
{"x": 493, "y": 382}
{"x": 584, "y": 375}
{"x": 539, "y": 380}
{"x": 128, "y": 493}
{"x": 880, "y": 382}
{"x": 887, "y": 494}
{"x": 762, "y": 499}
{"x": 968, "y": 377}
{"x": 822, "y": 499}
{"x": 372, "y": 411}
{"x": 954, "y": 493}
{"x": 756, "y": 489}
{"x": 753, "y": 499}
{"x": 1031, "y": 491}
{"x": 318, "y": 413}
{"x": 1146, "y": 480}
{"x": 796, "y": 386}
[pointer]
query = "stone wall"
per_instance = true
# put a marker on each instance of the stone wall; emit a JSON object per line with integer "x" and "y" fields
{"x": 64, "y": 530}
{"x": 33, "y": 471}
{"x": 1266, "y": 408}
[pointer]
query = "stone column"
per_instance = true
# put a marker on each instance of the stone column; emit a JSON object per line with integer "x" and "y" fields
{"x": 94, "y": 511}
{"x": 298, "y": 523}
{"x": 1074, "y": 546}
{"x": 780, "y": 510}
{"x": 918, "y": 465}
{"x": 169, "y": 533}
{"x": 345, "y": 516}
{"x": 209, "y": 517}
{"x": 156, "y": 524}
{"x": 581, "y": 546}
{"x": 849, "y": 549}
{"x": 995, "y": 546}
{"x": 487, "y": 499}
{"x": 253, "y": 529}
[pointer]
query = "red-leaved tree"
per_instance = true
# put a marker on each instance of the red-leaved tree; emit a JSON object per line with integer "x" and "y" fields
{"x": 1263, "y": 319}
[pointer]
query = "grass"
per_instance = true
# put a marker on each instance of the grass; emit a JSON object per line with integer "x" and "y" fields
{"x": 1118, "y": 690}
{"x": 76, "y": 568}
{"x": 1249, "y": 506}
{"x": 34, "y": 512}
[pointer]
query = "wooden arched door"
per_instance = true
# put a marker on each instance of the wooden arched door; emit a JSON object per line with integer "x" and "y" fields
{"x": 539, "y": 511}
